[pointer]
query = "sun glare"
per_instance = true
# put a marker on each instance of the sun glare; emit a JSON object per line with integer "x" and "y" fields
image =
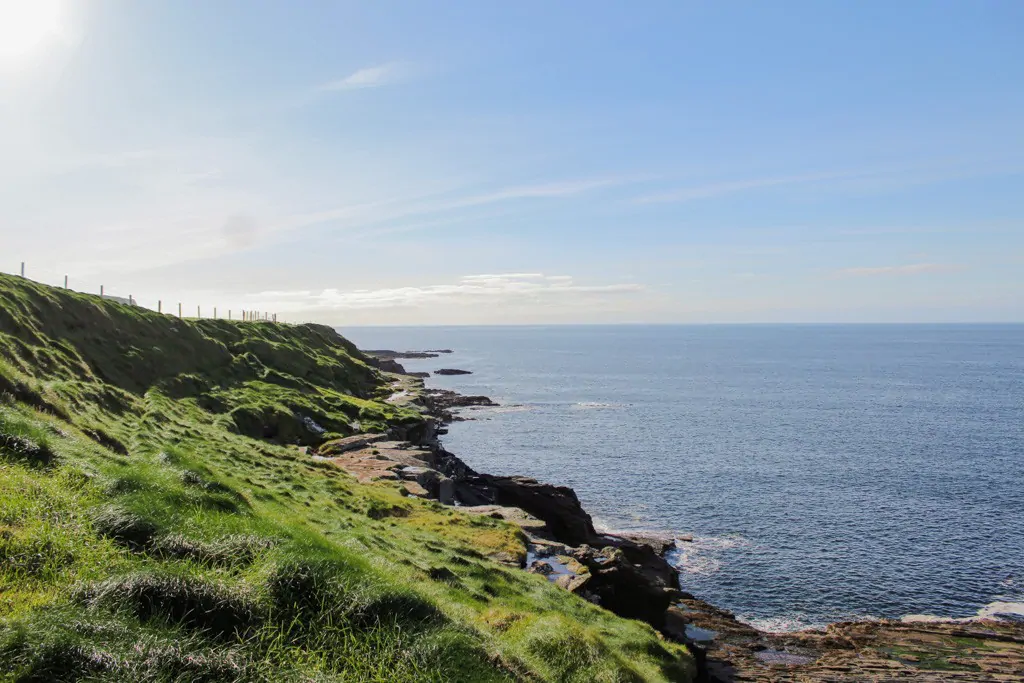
{"x": 26, "y": 25}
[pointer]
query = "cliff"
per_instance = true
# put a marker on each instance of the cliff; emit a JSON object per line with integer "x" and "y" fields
{"x": 163, "y": 517}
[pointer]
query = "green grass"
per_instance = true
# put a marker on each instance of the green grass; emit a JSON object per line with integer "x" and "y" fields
{"x": 158, "y": 522}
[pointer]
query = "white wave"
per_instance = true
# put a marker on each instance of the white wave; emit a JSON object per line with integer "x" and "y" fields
{"x": 998, "y": 609}
{"x": 496, "y": 410}
{"x": 790, "y": 623}
{"x": 703, "y": 554}
{"x": 785, "y": 624}
{"x": 595, "y": 405}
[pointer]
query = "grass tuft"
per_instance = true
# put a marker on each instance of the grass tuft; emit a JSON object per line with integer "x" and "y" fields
{"x": 23, "y": 449}
{"x": 125, "y": 527}
{"x": 185, "y": 600}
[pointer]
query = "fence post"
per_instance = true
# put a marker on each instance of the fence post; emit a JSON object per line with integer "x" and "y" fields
{"x": 198, "y": 313}
{"x": 23, "y": 269}
{"x": 229, "y": 314}
{"x": 214, "y": 312}
{"x": 65, "y": 282}
{"x": 159, "y": 306}
{"x": 101, "y": 291}
{"x": 179, "y": 309}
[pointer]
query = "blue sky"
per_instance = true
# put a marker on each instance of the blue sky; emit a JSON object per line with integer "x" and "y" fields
{"x": 467, "y": 162}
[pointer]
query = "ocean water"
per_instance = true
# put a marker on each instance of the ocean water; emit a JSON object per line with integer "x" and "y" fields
{"x": 824, "y": 472}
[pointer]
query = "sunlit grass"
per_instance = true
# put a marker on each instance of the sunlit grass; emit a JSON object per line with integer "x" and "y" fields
{"x": 145, "y": 537}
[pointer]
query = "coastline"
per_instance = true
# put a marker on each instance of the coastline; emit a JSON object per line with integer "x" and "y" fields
{"x": 631, "y": 575}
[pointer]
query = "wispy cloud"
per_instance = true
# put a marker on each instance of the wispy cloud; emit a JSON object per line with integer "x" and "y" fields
{"x": 362, "y": 214}
{"x": 470, "y": 289}
{"x": 708, "y": 190}
{"x": 908, "y": 269}
{"x": 370, "y": 77}
{"x": 857, "y": 181}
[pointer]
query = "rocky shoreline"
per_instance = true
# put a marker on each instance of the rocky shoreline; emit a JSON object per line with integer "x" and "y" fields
{"x": 630, "y": 575}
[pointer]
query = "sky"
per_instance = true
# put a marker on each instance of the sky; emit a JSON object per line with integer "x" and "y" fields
{"x": 383, "y": 163}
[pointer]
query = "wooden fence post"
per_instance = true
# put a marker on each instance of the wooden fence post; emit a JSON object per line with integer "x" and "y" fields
{"x": 214, "y": 312}
{"x": 179, "y": 309}
{"x": 159, "y": 306}
{"x": 101, "y": 291}
{"x": 23, "y": 269}
{"x": 65, "y": 282}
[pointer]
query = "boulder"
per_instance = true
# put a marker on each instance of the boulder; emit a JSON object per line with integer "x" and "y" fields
{"x": 557, "y": 506}
{"x": 624, "y": 588}
{"x": 573, "y": 583}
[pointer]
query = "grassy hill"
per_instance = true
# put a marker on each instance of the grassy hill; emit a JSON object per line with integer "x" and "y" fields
{"x": 160, "y": 522}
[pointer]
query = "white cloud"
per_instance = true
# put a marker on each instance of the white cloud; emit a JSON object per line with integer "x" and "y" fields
{"x": 370, "y": 77}
{"x": 908, "y": 269}
{"x": 468, "y": 290}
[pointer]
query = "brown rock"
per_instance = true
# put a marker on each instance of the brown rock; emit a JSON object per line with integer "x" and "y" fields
{"x": 572, "y": 582}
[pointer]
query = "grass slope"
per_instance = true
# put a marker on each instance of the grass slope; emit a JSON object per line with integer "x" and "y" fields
{"x": 159, "y": 523}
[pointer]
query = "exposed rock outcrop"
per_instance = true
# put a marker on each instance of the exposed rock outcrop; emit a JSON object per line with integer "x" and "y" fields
{"x": 452, "y": 371}
{"x": 441, "y": 403}
{"x": 558, "y": 506}
{"x": 389, "y": 354}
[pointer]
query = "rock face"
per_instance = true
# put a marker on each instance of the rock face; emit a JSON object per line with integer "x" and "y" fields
{"x": 390, "y": 365}
{"x": 634, "y": 590}
{"x": 557, "y": 506}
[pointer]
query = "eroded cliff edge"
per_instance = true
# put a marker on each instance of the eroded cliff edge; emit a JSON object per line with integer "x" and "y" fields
{"x": 630, "y": 576}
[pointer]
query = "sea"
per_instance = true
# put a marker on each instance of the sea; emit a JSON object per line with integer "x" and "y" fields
{"x": 813, "y": 473}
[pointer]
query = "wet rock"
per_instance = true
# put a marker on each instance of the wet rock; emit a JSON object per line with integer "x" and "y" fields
{"x": 452, "y": 371}
{"x": 541, "y": 567}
